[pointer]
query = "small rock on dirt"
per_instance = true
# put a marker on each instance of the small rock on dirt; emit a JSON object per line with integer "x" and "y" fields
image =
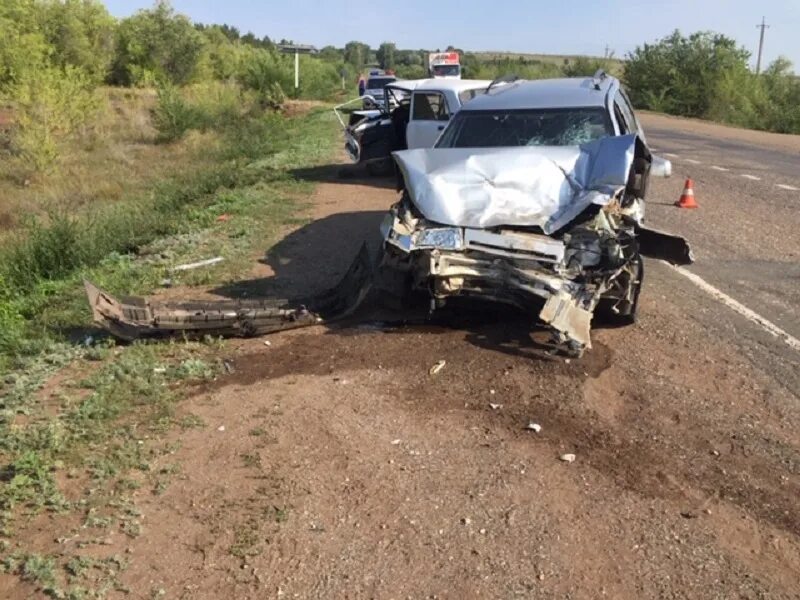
{"x": 567, "y": 458}
{"x": 535, "y": 427}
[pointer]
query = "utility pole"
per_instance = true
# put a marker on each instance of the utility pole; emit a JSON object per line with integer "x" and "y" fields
{"x": 763, "y": 26}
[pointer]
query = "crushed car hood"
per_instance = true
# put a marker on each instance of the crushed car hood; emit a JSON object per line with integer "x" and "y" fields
{"x": 544, "y": 186}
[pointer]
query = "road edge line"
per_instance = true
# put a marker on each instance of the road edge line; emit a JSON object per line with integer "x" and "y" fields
{"x": 740, "y": 308}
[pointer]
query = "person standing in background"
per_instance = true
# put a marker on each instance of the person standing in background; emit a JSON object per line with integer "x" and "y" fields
{"x": 362, "y": 85}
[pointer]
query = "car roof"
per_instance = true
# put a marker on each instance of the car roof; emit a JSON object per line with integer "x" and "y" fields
{"x": 434, "y": 84}
{"x": 457, "y": 85}
{"x": 547, "y": 93}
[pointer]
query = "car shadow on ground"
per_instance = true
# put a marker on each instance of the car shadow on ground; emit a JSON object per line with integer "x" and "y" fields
{"x": 310, "y": 259}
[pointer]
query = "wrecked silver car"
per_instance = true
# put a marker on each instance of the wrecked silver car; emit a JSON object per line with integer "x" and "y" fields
{"x": 533, "y": 196}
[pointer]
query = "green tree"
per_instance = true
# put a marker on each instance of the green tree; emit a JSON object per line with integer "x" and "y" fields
{"x": 52, "y": 104}
{"x": 357, "y": 54}
{"x": 680, "y": 74}
{"x": 782, "y": 88}
{"x": 386, "y": 55}
{"x": 331, "y": 53}
{"x": 80, "y": 33}
{"x": 220, "y": 58}
{"x": 267, "y": 73}
{"x": 156, "y": 44}
{"x": 23, "y": 46}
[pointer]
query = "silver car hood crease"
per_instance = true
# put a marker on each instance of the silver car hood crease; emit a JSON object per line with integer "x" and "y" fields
{"x": 544, "y": 186}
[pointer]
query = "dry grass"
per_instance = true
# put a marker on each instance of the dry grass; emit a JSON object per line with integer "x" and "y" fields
{"x": 117, "y": 158}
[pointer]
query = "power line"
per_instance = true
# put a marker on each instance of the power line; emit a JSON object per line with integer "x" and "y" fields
{"x": 763, "y": 27}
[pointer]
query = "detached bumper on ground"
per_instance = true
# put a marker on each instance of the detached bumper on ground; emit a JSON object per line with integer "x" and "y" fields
{"x": 138, "y": 318}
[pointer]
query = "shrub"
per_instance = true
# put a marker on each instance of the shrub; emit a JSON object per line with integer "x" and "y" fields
{"x": 47, "y": 251}
{"x": 261, "y": 70}
{"x": 173, "y": 116}
{"x": 586, "y": 66}
{"x": 683, "y": 73}
{"x": 217, "y": 103}
{"x": 51, "y": 105}
{"x": 158, "y": 42}
{"x": 319, "y": 80}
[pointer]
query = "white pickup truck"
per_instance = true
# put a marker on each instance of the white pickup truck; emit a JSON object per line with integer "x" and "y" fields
{"x": 418, "y": 111}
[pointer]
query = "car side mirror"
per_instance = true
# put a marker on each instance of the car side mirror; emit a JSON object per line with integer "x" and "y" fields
{"x": 660, "y": 167}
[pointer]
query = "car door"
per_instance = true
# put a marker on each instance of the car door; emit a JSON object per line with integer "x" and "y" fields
{"x": 429, "y": 116}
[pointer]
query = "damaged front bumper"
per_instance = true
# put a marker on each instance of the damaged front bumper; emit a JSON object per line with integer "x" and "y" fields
{"x": 596, "y": 262}
{"x": 141, "y": 318}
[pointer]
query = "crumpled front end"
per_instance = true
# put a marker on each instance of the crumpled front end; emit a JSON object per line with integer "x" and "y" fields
{"x": 564, "y": 277}
{"x": 556, "y": 228}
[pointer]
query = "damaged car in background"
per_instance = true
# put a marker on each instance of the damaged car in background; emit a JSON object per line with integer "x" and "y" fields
{"x": 533, "y": 197}
{"x": 412, "y": 114}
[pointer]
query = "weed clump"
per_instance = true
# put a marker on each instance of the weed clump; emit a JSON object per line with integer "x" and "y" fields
{"x": 173, "y": 116}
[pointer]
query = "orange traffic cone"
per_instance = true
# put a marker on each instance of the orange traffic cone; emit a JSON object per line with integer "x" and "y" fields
{"x": 687, "y": 197}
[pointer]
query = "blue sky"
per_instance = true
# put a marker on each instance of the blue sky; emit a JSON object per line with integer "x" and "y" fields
{"x": 548, "y": 27}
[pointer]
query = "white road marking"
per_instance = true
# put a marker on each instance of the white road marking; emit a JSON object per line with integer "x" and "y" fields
{"x": 740, "y": 308}
{"x": 751, "y": 177}
{"x": 671, "y": 155}
{"x": 716, "y": 168}
{"x": 693, "y": 161}
{"x": 791, "y": 188}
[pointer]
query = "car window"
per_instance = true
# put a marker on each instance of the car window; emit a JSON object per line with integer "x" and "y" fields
{"x": 446, "y": 70}
{"x": 429, "y": 106}
{"x": 621, "y": 104}
{"x": 539, "y": 127}
{"x": 467, "y": 95}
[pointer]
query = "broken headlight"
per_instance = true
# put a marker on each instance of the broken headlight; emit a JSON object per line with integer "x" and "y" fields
{"x": 443, "y": 238}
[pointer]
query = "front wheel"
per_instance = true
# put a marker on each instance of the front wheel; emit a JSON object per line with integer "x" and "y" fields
{"x": 623, "y": 309}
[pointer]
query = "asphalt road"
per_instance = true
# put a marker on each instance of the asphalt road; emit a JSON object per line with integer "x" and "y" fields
{"x": 745, "y": 235}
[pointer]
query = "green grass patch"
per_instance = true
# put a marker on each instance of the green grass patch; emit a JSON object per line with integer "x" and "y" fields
{"x": 128, "y": 246}
{"x": 103, "y": 429}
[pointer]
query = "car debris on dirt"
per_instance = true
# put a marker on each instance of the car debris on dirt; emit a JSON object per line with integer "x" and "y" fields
{"x": 525, "y": 201}
{"x": 437, "y": 367}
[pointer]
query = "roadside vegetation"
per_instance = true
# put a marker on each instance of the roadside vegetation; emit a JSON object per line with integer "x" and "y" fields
{"x": 118, "y": 164}
{"x": 703, "y": 75}
{"x": 706, "y": 75}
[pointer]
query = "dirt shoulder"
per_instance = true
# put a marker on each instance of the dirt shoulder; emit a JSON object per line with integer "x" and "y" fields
{"x": 718, "y": 131}
{"x": 331, "y": 464}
